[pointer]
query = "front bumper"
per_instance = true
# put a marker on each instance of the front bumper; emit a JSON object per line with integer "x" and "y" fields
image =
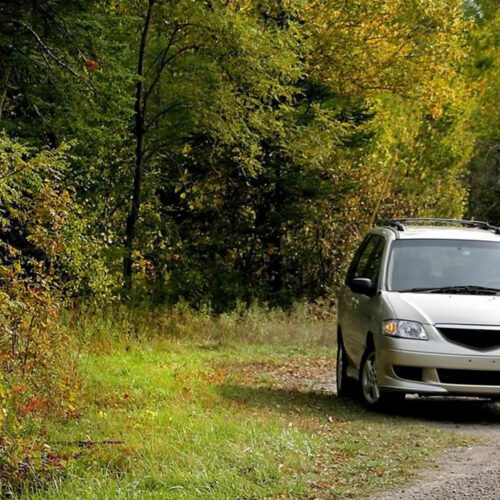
{"x": 431, "y": 365}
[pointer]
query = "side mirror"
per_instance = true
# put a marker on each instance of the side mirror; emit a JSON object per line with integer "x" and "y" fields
{"x": 363, "y": 286}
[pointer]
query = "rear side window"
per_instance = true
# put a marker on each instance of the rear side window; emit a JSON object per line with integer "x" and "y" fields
{"x": 367, "y": 261}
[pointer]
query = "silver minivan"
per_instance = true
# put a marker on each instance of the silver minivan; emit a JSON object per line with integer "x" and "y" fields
{"x": 419, "y": 312}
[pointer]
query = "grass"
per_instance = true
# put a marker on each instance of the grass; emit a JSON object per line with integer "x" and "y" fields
{"x": 200, "y": 417}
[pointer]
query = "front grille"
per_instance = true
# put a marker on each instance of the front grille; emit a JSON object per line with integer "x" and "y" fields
{"x": 468, "y": 377}
{"x": 474, "y": 338}
{"x": 408, "y": 372}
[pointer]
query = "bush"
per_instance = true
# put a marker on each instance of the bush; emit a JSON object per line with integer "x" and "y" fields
{"x": 35, "y": 381}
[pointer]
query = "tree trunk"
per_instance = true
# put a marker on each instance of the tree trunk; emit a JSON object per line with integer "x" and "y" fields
{"x": 275, "y": 263}
{"x": 3, "y": 97}
{"x": 139, "y": 135}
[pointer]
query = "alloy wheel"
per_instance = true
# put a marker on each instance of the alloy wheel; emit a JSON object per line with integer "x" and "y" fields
{"x": 369, "y": 384}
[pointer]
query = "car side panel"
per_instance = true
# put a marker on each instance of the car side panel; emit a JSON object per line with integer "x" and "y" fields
{"x": 359, "y": 314}
{"x": 349, "y": 324}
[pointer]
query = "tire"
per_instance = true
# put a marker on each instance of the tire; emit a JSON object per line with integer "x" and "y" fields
{"x": 370, "y": 392}
{"x": 346, "y": 387}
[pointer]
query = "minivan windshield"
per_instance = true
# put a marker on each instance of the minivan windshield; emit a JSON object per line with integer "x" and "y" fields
{"x": 446, "y": 266}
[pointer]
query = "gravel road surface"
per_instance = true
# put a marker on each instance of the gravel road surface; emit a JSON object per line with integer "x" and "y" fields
{"x": 464, "y": 474}
{"x": 468, "y": 473}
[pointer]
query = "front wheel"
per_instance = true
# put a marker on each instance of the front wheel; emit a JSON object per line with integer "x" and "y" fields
{"x": 370, "y": 391}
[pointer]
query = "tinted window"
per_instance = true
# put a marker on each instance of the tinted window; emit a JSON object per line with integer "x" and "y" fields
{"x": 357, "y": 256}
{"x": 367, "y": 261}
{"x": 372, "y": 269}
{"x": 443, "y": 263}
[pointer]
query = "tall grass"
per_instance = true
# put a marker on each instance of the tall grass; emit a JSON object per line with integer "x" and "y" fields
{"x": 304, "y": 324}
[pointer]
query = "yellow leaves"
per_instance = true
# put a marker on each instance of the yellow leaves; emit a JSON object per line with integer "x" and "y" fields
{"x": 436, "y": 110}
{"x": 47, "y": 217}
{"x": 385, "y": 45}
{"x": 239, "y": 5}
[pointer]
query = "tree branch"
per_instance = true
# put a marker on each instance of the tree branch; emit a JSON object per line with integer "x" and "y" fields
{"x": 46, "y": 49}
{"x": 165, "y": 61}
{"x": 163, "y": 53}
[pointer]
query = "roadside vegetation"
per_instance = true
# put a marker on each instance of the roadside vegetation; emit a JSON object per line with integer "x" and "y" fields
{"x": 227, "y": 407}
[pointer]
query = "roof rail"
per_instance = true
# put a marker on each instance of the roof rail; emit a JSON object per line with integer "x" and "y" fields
{"x": 394, "y": 224}
{"x": 399, "y": 223}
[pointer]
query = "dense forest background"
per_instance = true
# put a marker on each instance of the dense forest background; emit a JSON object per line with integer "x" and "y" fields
{"x": 223, "y": 151}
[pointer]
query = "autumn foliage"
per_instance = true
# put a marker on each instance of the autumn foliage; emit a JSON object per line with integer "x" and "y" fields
{"x": 36, "y": 375}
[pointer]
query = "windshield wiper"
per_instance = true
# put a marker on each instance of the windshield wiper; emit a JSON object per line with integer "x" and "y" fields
{"x": 418, "y": 289}
{"x": 468, "y": 289}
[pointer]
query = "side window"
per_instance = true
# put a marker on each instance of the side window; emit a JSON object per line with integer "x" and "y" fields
{"x": 372, "y": 269}
{"x": 366, "y": 263}
{"x": 351, "y": 273}
{"x": 365, "y": 258}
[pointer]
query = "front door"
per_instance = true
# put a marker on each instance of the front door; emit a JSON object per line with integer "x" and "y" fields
{"x": 359, "y": 308}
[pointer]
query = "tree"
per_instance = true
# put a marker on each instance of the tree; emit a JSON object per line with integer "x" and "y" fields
{"x": 326, "y": 158}
{"x": 237, "y": 150}
{"x": 485, "y": 73}
{"x": 41, "y": 47}
{"x": 176, "y": 40}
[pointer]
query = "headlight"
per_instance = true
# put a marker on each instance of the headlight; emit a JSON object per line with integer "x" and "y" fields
{"x": 404, "y": 329}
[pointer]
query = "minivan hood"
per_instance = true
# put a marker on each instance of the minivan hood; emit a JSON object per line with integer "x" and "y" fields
{"x": 436, "y": 308}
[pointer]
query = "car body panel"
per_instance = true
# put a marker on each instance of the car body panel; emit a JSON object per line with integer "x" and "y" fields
{"x": 446, "y": 233}
{"x": 434, "y": 308}
{"x": 358, "y": 318}
{"x": 429, "y": 362}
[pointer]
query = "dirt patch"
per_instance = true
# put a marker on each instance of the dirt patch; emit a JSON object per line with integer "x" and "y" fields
{"x": 466, "y": 473}
{"x": 301, "y": 375}
{"x": 472, "y": 473}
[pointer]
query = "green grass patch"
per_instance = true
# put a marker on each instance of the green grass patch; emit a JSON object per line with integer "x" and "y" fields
{"x": 185, "y": 419}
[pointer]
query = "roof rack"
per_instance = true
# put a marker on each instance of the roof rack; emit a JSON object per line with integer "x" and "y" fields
{"x": 399, "y": 223}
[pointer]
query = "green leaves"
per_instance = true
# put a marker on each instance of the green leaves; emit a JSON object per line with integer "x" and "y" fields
{"x": 485, "y": 73}
{"x": 274, "y": 132}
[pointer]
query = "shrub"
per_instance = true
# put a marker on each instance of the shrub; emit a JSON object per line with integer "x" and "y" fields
{"x": 34, "y": 360}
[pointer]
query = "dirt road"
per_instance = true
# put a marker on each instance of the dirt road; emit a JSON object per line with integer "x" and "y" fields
{"x": 467, "y": 473}
{"x": 471, "y": 473}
